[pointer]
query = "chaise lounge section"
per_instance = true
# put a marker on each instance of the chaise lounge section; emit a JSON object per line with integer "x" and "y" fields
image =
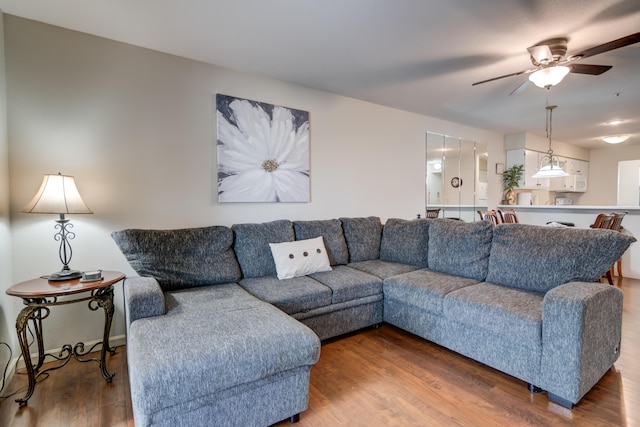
{"x": 215, "y": 337}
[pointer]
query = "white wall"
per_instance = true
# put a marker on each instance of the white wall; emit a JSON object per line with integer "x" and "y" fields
{"x": 603, "y": 173}
{"x": 137, "y": 129}
{"x": 537, "y": 143}
{"x": 7, "y": 318}
{"x": 628, "y": 182}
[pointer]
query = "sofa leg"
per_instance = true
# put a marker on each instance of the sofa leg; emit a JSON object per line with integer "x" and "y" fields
{"x": 534, "y": 389}
{"x": 294, "y": 418}
{"x": 560, "y": 401}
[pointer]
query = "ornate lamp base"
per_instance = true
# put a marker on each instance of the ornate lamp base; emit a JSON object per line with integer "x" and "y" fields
{"x": 62, "y": 275}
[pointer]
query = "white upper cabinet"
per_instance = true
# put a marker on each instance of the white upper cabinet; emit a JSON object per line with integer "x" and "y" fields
{"x": 531, "y": 161}
{"x": 576, "y": 182}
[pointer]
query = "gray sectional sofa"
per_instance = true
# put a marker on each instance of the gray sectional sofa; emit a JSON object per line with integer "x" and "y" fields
{"x": 214, "y": 337}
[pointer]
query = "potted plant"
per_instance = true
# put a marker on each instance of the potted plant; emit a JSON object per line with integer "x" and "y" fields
{"x": 510, "y": 178}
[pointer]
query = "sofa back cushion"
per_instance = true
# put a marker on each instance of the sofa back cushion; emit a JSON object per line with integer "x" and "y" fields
{"x": 332, "y": 234}
{"x": 363, "y": 237}
{"x": 181, "y": 258}
{"x": 252, "y": 246}
{"x": 539, "y": 258}
{"x": 405, "y": 241}
{"x": 460, "y": 248}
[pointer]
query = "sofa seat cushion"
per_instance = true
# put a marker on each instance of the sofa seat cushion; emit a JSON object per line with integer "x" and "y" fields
{"x": 382, "y": 269}
{"x": 292, "y": 296}
{"x": 331, "y": 232}
{"x": 181, "y": 258}
{"x": 460, "y": 248}
{"x": 552, "y": 256}
{"x": 348, "y": 283}
{"x": 512, "y": 313}
{"x": 405, "y": 241}
{"x": 213, "y": 338}
{"x": 424, "y": 288}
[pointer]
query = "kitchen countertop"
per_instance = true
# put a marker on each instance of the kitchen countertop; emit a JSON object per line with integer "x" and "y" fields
{"x": 599, "y": 208}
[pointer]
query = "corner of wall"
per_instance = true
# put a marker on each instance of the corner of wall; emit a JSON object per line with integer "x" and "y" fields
{"x": 7, "y": 335}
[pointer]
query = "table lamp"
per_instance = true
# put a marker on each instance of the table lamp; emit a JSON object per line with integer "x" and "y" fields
{"x": 58, "y": 195}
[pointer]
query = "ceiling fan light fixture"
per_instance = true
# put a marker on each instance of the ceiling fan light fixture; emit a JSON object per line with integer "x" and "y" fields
{"x": 615, "y": 139}
{"x": 549, "y": 76}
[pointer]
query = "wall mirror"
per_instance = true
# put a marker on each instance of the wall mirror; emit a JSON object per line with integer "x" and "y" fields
{"x": 456, "y": 176}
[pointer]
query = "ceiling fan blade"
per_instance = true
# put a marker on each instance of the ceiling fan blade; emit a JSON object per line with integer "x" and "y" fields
{"x": 606, "y": 47}
{"x": 502, "y": 77}
{"x": 594, "y": 70}
{"x": 521, "y": 87}
{"x": 542, "y": 54}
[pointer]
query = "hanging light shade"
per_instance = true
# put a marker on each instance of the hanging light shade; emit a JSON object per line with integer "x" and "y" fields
{"x": 550, "y": 164}
{"x": 550, "y": 76}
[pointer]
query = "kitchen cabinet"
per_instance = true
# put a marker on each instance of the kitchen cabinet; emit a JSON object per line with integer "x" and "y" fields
{"x": 531, "y": 161}
{"x": 576, "y": 182}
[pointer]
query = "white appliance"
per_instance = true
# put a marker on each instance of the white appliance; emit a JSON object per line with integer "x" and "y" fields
{"x": 524, "y": 199}
{"x": 563, "y": 201}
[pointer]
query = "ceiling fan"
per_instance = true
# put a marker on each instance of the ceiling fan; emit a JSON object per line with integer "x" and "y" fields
{"x": 551, "y": 64}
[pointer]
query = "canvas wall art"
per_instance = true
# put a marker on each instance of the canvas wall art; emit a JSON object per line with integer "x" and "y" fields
{"x": 263, "y": 152}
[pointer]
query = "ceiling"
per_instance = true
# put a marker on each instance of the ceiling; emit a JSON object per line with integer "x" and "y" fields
{"x": 416, "y": 55}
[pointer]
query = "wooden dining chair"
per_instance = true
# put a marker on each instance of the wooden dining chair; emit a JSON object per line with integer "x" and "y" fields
{"x": 508, "y": 216}
{"x": 432, "y": 213}
{"x": 602, "y": 221}
{"x": 489, "y": 216}
{"x": 605, "y": 221}
{"x": 616, "y": 224}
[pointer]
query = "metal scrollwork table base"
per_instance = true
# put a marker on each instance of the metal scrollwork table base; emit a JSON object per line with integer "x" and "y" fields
{"x": 38, "y": 296}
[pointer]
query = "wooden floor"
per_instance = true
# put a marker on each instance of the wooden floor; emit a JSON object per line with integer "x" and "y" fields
{"x": 376, "y": 377}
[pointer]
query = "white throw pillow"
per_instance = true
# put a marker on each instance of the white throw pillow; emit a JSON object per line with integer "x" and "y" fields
{"x": 299, "y": 258}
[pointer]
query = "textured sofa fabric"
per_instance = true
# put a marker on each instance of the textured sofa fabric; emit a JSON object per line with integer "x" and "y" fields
{"x": 459, "y": 248}
{"x": 363, "y": 237}
{"x": 181, "y": 258}
{"x": 424, "y": 289}
{"x": 405, "y": 241}
{"x": 508, "y": 312}
{"x": 252, "y": 246}
{"x": 331, "y": 232}
{"x": 573, "y": 357}
{"x": 210, "y": 342}
{"x": 546, "y": 262}
{"x": 500, "y": 295}
{"x": 290, "y": 295}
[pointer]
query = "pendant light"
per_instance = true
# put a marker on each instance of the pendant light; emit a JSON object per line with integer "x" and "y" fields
{"x": 550, "y": 164}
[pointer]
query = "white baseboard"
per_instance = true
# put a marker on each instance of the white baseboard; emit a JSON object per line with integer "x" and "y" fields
{"x": 16, "y": 364}
{"x": 11, "y": 370}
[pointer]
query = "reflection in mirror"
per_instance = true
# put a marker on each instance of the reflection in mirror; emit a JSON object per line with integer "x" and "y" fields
{"x": 456, "y": 176}
{"x": 629, "y": 183}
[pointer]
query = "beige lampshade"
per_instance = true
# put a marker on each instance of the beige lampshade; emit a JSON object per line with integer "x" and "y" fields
{"x": 58, "y": 194}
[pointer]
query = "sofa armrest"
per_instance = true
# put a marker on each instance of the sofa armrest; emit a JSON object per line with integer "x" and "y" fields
{"x": 143, "y": 298}
{"x": 581, "y": 333}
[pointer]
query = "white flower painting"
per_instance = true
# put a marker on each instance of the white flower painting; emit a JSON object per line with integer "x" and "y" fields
{"x": 263, "y": 152}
